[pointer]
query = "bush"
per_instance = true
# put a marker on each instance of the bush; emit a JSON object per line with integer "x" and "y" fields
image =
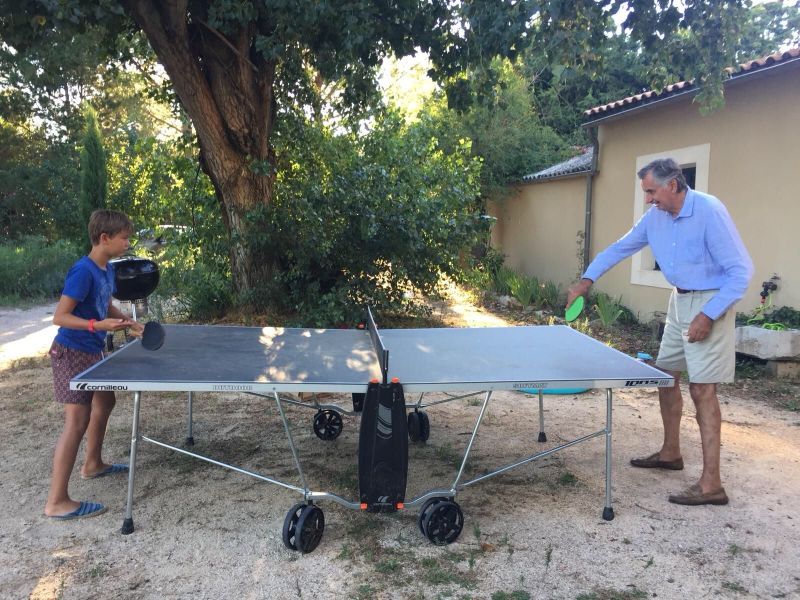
{"x": 524, "y": 289}
{"x": 502, "y": 280}
{"x": 608, "y": 310}
{"x": 33, "y": 268}
{"x": 365, "y": 219}
{"x": 549, "y": 295}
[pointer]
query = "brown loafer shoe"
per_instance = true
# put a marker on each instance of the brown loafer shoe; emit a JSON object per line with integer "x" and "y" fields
{"x": 654, "y": 462}
{"x": 694, "y": 496}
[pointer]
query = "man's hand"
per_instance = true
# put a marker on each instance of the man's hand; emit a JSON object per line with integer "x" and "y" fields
{"x": 579, "y": 288}
{"x": 699, "y": 328}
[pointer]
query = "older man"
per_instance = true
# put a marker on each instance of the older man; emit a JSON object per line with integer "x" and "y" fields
{"x": 701, "y": 253}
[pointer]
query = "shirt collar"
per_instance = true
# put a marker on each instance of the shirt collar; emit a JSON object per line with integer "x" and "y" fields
{"x": 688, "y": 204}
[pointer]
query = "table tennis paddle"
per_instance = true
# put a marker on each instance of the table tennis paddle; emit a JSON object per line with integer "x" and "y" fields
{"x": 574, "y": 310}
{"x": 152, "y": 336}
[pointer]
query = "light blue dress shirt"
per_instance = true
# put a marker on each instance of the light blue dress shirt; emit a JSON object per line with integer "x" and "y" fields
{"x": 700, "y": 249}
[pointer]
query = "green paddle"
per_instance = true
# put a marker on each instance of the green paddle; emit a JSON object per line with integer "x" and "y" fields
{"x": 574, "y": 310}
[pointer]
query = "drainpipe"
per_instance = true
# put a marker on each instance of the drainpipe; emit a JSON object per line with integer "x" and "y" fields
{"x": 587, "y": 224}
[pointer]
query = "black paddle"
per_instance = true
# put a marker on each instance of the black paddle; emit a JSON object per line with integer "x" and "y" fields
{"x": 153, "y": 335}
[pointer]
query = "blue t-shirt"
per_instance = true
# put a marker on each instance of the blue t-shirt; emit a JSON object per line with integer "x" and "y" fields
{"x": 92, "y": 287}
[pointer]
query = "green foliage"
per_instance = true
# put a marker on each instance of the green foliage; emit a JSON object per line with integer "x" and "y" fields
{"x": 33, "y": 268}
{"x": 94, "y": 179}
{"x": 765, "y": 316}
{"x": 38, "y": 185}
{"x": 525, "y": 289}
{"x": 575, "y": 72}
{"x": 502, "y": 280}
{"x": 505, "y": 131}
{"x": 608, "y": 310}
{"x": 549, "y": 295}
{"x": 368, "y": 218}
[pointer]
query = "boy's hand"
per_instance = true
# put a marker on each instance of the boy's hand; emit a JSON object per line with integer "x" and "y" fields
{"x": 136, "y": 329}
{"x": 113, "y": 324}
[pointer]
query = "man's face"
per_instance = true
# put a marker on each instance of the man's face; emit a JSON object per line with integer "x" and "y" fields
{"x": 665, "y": 197}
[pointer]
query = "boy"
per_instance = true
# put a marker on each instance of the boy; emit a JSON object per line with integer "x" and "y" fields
{"x": 84, "y": 314}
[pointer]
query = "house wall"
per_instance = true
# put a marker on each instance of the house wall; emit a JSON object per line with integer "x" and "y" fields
{"x": 538, "y": 228}
{"x": 752, "y": 166}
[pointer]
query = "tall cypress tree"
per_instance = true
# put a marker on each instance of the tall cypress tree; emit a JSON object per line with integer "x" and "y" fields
{"x": 94, "y": 179}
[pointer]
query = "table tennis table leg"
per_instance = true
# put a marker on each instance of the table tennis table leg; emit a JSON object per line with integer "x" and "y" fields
{"x": 291, "y": 445}
{"x": 127, "y": 524}
{"x": 542, "y": 435}
{"x": 471, "y": 440}
{"x": 189, "y": 436}
{"x": 608, "y": 510}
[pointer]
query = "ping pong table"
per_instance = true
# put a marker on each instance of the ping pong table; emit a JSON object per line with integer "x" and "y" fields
{"x": 378, "y": 367}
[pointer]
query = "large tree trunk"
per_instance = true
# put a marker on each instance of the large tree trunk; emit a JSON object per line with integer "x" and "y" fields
{"x": 227, "y": 91}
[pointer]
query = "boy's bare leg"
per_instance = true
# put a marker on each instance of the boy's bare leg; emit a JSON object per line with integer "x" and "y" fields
{"x": 671, "y": 402}
{"x": 102, "y": 405}
{"x": 709, "y": 418}
{"x": 76, "y": 420}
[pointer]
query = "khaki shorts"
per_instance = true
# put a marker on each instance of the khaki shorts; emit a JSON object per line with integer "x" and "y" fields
{"x": 711, "y": 361}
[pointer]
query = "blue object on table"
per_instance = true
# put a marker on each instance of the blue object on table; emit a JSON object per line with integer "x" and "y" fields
{"x": 555, "y": 391}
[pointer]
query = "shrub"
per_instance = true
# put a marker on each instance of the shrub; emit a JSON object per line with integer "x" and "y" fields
{"x": 608, "y": 310}
{"x": 502, "y": 280}
{"x": 34, "y": 268}
{"x": 549, "y": 294}
{"x": 524, "y": 289}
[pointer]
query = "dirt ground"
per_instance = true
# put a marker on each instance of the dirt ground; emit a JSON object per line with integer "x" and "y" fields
{"x": 535, "y": 532}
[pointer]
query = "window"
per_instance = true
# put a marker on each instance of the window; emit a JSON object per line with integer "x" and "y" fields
{"x": 694, "y": 161}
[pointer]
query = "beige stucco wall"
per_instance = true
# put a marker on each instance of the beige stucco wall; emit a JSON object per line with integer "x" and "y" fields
{"x": 538, "y": 228}
{"x": 753, "y": 168}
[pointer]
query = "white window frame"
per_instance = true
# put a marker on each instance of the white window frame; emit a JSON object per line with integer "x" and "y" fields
{"x": 643, "y": 270}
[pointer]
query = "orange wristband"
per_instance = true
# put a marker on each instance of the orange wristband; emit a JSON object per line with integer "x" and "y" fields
{"x": 91, "y": 325}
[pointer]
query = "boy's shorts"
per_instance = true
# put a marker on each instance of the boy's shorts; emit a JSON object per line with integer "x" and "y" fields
{"x": 67, "y": 363}
{"x": 712, "y": 360}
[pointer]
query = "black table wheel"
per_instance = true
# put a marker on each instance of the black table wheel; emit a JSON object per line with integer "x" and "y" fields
{"x": 419, "y": 426}
{"x": 413, "y": 426}
{"x": 309, "y": 529}
{"x": 328, "y": 425}
{"x": 290, "y": 525}
{"x": 425, "y": 511}
{"x": 443, "y": 522}
{"x": 424, "y": 427}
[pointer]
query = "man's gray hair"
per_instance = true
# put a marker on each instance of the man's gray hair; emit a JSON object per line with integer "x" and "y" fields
{"x": 664, "y": 170}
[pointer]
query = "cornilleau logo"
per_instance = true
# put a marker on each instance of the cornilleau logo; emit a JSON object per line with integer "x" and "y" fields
{"x": 104, "y": 387}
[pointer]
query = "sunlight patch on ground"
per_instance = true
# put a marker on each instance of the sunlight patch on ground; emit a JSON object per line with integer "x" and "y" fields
{"x": 25, "y": 333}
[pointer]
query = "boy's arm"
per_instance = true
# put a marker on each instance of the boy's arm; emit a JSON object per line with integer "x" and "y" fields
{"x": 63, "y": 317}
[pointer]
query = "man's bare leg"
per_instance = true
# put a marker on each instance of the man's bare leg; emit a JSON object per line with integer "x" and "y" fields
{"x": 709, "y": 419}
{"x": 671, "y": 402}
